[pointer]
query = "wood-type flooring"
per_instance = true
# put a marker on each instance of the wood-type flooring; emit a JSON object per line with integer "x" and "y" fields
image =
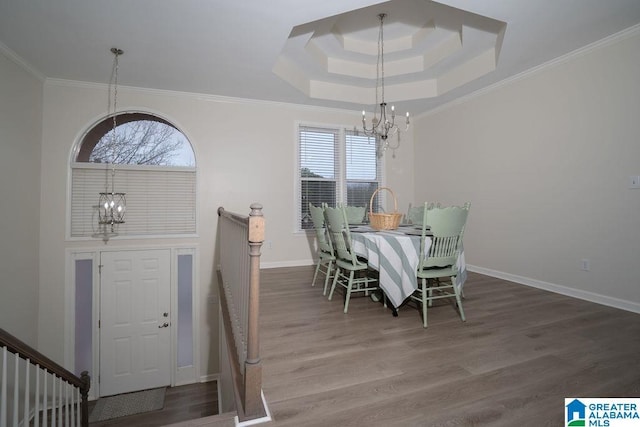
{"x": 520, "y": 353}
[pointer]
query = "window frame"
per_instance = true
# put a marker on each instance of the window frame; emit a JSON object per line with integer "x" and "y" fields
{"x": 341, "y": 174}
{"x": 93, "y": 131}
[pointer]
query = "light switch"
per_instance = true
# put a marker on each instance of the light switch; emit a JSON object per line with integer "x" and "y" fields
{"x": 634, "y": 181}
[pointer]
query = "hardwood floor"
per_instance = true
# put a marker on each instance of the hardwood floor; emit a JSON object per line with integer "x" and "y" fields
{"x": 182, "y": 403}
{"x": 512, "y": 363}
{"x": 518, "y": 355}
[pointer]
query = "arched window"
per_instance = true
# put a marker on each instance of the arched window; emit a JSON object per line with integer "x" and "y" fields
{"x": 150, "y": 160}
{"x": 138, "y": 139}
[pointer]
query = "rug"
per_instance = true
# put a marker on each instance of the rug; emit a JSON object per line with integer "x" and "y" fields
{"x": 123, "y": 405}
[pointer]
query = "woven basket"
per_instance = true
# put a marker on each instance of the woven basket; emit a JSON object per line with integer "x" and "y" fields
{"x": 384, "y": 221}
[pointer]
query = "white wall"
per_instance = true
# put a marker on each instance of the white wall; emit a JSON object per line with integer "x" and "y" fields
{"x": 545, "y": 162}
{"x": 20, "y": 135}
{"x": 245, "y": 152}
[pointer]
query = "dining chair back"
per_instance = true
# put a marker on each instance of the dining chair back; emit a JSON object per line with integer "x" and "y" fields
{"x": 446, "y": 227}
{"x": 355, "y": 214}
{"x": 325, "y": 252}
{"x": 438, "y": 265}
{"x": 338, "y": 227}
{"x": 415, "y": 214}
{"x": 351, "y": 273}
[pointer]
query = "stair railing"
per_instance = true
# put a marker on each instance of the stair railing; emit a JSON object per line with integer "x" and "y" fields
{"x": 35, "y": 391}
{"x": 240, "y": 239}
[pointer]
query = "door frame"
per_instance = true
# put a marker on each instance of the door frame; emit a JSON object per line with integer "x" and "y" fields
{"x": 178, "y": 375}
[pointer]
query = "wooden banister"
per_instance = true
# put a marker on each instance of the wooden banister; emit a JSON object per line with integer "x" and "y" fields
{"x": 239, "y": 283}
{"x": 83, "y": 383}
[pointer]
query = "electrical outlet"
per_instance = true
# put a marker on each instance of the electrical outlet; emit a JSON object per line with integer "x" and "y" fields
{"x": 585, "y": 265}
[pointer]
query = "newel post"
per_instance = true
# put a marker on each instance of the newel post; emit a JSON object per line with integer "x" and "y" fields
{"x": 84, "y": 395}
{"x": 253, "y": 365}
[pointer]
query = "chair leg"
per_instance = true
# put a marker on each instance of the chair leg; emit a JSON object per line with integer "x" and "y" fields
{"x": 349, "y": 287}
{"x": 424, "y": 302}
{"x": 458, "y": 299}
{"x": 315, "y": 275}
{"x": 326, "y": 279}
{"x": 335, "y": 281}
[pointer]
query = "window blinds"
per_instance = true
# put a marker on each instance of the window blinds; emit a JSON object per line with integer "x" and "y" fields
{"x": 362, "y": 168}
{"x": 319, "y": 170}
{"x": 159, "y": 201}
{"x": 335, "y": 166}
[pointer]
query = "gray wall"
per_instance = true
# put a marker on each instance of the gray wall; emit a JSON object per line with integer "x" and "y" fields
{"x": 545, "y": 161}
{"x": 20, "y": 136}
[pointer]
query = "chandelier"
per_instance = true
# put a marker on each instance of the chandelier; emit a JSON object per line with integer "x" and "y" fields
{"x": 112, "y": 204}
{"x": 383, "y": 124}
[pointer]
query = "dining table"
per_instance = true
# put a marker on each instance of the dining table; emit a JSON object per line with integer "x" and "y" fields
{"x": 395, "y": 254}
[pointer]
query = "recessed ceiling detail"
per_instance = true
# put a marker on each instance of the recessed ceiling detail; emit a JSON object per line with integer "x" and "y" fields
{"x": 429, "y": 50}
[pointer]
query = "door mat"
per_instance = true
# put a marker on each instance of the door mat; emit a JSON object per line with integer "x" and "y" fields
{"x": 123, "y": 405}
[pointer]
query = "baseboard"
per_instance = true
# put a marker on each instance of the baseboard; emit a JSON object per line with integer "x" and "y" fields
{"x": 264, "y": 419}
{"x": 534, "y": 283}
{"x": 559, "y": 289}
{"x": 281, "y": 264}
{"x": 209, "y": 378}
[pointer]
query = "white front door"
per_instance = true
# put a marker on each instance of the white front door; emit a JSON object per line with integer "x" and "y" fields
{"x": 135, "y": 321}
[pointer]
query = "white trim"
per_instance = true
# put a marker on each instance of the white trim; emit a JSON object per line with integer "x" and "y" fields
{"x": 607, "y": 41}
{"x": 71, "y": 256}
{"x": 199, "y": 96}
{"x": 614, "y": 38}
{"x": 75, "y": 148}
{"x": 534, "y": 283}
{"x": 117, "y": 237}
{"x": 209, "y": 377}
{"x": 70, "y": 312}
{"x": 279, "y": 264}
{"x": 93, "y": 253}
{"x": 341, "y": 168}
{"x": 560, "y": 289}
{"x": 21, "y": 62}
{"x": 264, "y": 419}
{"x": 186, "y": 374}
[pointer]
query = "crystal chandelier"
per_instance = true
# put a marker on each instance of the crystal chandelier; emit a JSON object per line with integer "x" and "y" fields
{"x": 112, "y": 204}
{"x": 383, "y": 125}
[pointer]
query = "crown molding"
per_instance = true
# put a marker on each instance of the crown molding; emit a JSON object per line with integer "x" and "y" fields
{"x": 607, "y": 41}
{"x": 197, "y": 96}
{"x": 14, "y": 57}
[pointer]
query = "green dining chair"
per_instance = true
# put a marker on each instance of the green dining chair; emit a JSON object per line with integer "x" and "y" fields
{"x": 415, "y": 214}
{"x": 437, "y": 269}
{"x": 351, "y": 273}
{"x": 325, "y": 254}
{"x": 355, "y": 214}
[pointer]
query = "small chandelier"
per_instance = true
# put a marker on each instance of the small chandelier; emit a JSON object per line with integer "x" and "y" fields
{"x": 112, "y": 204}
{"x": 382, "y": 127}
{"x": 111, "y": 207}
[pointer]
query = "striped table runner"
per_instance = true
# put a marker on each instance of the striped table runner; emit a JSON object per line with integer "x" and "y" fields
{"x": 395, "y": 256}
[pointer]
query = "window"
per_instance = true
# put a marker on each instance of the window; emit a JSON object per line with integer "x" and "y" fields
{"x": 145, "y": 157}
{"x": 335, "y": 166}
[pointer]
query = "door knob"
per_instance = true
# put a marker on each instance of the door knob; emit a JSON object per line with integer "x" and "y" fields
{"x": 164, "y": 325}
